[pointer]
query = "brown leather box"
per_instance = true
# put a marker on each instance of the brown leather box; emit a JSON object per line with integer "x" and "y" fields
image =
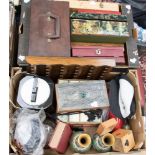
{"x": 44, "y": 29}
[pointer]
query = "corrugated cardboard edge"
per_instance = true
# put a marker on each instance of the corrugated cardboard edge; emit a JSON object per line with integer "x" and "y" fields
{"x": 137, "y": 123}
{"x": 140, "y": 85}
{"x": 16, "y": 74}
{"x": 140, "y": 152}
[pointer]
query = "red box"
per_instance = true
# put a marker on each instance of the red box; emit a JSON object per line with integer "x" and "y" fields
{"x": 60, "y": 139}
{"x": 106, "y": 51}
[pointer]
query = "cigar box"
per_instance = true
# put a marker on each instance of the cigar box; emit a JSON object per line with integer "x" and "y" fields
{"x": 140, "y": 82}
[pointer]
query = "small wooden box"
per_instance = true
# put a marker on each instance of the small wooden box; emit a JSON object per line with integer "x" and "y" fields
{"x": 106, "y": 126}
{"x": 124, "y": 140}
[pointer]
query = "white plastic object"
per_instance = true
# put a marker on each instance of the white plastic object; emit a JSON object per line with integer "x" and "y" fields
{"x": 126, "y": 93}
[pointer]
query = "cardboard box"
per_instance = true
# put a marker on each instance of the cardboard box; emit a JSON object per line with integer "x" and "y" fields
{"x": 106, "y": 126}
{"x": 69, "y": 152}
{"x": 60, "y": 139}
{"x": 136, "y": 123}
{"x": 124, "y": 140}
{"x": 141, "y": 88}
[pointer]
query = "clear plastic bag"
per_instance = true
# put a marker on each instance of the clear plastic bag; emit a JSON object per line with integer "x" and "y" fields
{"x": 30, "y": 133}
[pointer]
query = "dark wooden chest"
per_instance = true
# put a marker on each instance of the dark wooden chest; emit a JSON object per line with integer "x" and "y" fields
{"x": 45, "y": 29}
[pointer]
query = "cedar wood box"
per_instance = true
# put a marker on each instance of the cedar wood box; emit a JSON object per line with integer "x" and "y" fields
{"x": 136, "y": 123}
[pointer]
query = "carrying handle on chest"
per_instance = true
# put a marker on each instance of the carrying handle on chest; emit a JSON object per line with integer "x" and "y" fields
{"x": 57, "y": 26}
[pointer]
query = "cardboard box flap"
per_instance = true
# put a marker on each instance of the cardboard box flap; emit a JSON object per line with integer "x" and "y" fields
{"x": 138, "y": 145}
{"x": 141, "y": 152}
{"x": 14, "y": 81}
{"x": 137, "y": 123}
